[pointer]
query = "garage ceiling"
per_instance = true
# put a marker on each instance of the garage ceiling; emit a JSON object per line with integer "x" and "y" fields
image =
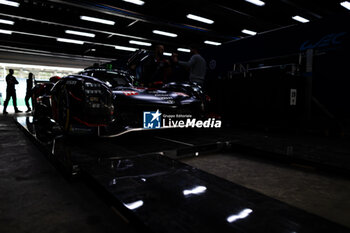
{"x": 38, "y": 25}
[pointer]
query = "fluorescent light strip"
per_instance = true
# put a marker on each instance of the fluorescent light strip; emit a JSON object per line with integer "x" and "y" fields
{"x": 97, "y": 20}
{"x": 167, "y": 54}
{"x": 256, "y": 2}
{"x": 300, "y": 19}
{"x": 212, "y": 43}
{"x": 49, "y": 54}
{"x": 7, "y": 22}
{"x": 137, "y": 2}
{"x": 140, "y": 43}
{"x": 80, "y": 33}
{"x": 70, "y": 41}
{"x": 183, "y": 50}
{"x": 345, "y": 4}
{"x": 5, "y": 32}
{"x": 78, "y": 28}
{"x": 164, "y": 33}
{"x": 249, "y": 32}
{"x": 9, "y": 3}
{"x": 15, "y": 65}
{"x": 60, "y": 39}
{"x": 200, "y": 19}
{"x": 125, "y": 48}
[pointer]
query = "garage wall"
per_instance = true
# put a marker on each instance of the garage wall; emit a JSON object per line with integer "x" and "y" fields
{"x": 330, "y": 39}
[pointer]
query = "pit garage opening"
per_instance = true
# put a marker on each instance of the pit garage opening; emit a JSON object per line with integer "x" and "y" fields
{"x": 21, "y": 72}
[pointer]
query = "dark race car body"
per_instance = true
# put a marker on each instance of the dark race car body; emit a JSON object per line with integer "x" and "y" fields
{"x": 78, "y": 104}
{"x": 106, "y": 100}
{"x": 130, "y": 102}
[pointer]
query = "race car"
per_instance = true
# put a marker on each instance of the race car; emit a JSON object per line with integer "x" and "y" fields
{"x": 106, "y": 100}
{"x": 78, "y": 104}
{"x": 130, "y": 101}
{"x": 100, "y": 99}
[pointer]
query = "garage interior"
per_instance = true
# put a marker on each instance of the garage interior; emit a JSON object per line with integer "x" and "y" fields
{"x": 276, "y": 77}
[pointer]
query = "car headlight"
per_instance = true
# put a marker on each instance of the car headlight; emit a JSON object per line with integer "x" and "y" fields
{"x": 88, "y": 84}
{"x": 95, "y": 105}
{"x": 93, "y": 91}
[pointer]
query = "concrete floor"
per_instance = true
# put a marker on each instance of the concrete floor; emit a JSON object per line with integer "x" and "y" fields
{"x": 34, "y": 197}
{"x": 322, "y": 195}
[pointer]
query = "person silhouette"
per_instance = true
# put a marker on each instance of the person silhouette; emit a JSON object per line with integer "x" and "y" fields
{"x": 11, "y": 91}
{"x": 29, "y": 91}
{"x": 156, "y": 68}
{"x": 196, "y": 64}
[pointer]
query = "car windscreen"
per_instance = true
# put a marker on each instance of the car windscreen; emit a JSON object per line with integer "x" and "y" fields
{"x": 113, "y": 79}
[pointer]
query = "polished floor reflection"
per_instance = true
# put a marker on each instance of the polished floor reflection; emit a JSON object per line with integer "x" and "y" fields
{"x": 169, "y": 196}
{"x": 165, "y": 195}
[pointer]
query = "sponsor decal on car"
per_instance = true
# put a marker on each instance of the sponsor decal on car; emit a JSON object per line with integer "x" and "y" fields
{"x": 181, "y": 94}
{"x": 128, "y": 93}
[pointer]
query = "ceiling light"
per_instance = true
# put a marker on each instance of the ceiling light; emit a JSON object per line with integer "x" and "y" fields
{"x": 139, "y": 43}
{"x": 252, "y": 33}
{"x": 199, "y": 18}
{"x": 164, "y": 33}
{"x": 183, "y": 50}
{"x": 80, "y": 33}
{"x": 125, "y": 48}
{"x": 212, "y": 42}
{"x": 345, "y": 4}
{"x": 137, "y": 2}
{"x": 9, "y": 3}
{"x": 70, "y": 41}
{"x": 300, "y": 19}
{"x": 256, "y": 2}
{"x": 167, "y": 54}
{"x": 7, "y": 22}
{"x": 15, "y": 65}
{"x": 5, "y": 32}
{"x": 97, "y": 20}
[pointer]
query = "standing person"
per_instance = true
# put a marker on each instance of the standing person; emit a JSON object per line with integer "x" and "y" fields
{"x": 29, "y": 91}
{"x": 156, "y": 67}
{"x": 11, "y": 91}
{"x": 196, "y": 64}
